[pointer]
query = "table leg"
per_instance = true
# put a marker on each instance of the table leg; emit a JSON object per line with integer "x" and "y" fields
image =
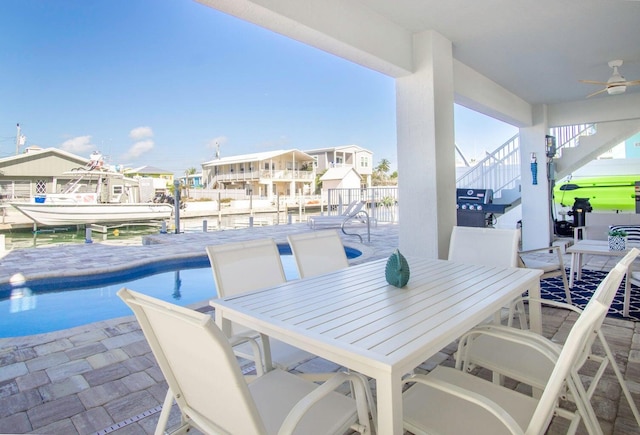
{"x": 223, "y": 324}
{"x": 266, "y": 350}
{"x": 579, "y": 267}
{"x": 389, "y": 392}
{"x": 572, "y": 269}
{"x": 535, "y": 309}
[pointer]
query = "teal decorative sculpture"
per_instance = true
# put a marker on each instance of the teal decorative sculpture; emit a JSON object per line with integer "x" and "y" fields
{"x": 397, "y": 270}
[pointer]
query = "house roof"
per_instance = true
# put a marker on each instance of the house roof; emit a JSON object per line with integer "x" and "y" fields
{"x": 338, "y": 173}
{"x": 148, "y": 170}
{"x": 257, "y": 157}
{"x": 33, "y": 152}
{"x": 339, "y": 148}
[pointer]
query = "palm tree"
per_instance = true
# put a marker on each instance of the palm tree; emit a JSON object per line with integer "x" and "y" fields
{"x": 380, "y": 174}
{"x": 187, "y": 172}
{"x": 383, "y": 166}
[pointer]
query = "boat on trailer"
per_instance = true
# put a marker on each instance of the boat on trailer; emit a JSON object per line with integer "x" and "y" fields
{"x": 605, "y": 193}
{"x": 95, "y": 194}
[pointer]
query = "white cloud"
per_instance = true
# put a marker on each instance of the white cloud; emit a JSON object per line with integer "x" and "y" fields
{"x": 78, "y": 145}
{"x": 141, "y": 133}
{"x": 139, "y": 148}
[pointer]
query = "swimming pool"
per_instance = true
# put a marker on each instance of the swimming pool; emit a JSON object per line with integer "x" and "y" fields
{"x": 60, "y": 303}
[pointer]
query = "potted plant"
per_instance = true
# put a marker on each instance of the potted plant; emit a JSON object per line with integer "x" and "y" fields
{"x": 617, "y": 240}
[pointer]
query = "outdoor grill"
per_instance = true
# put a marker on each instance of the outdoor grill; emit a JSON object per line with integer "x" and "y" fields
{"x": 475, "y": 207}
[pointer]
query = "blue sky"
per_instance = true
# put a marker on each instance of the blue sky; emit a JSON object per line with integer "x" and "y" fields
{"x": 159, "y": 82}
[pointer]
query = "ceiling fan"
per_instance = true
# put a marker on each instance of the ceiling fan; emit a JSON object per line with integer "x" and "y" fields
{"x": 616, "y": 84}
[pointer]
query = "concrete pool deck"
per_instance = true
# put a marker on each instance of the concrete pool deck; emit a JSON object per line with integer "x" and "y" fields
{"x": 102, "y": 377}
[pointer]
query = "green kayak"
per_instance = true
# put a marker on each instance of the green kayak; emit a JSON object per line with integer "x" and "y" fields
{"x": 608, "y": 193}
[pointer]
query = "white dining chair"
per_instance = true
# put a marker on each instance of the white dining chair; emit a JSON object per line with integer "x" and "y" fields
{"x": 451, "y": 401}
{"x": 240, "y": 267}
{"x": 486, "y": 247}
{"x": 530, "y": 358}
{"x": 213, "y": 396}
{"x": 550, "y": 269}
{"x": 318, "y": 252}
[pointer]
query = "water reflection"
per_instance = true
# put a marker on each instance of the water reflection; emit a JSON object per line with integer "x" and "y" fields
{"x": 49, "y": 236}
{"x": 22, "y": 299}
{"x": 177, "y": 283}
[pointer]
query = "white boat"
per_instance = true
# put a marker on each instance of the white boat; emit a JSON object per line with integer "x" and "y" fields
{"x": 81, "y": 214}
{"x": 94, "y": 195}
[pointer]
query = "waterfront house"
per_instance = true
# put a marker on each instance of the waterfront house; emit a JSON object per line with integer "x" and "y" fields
{"x": 192, "y": 181}
{"x": 152, "y": 180}
{"x": 340, "y": 178}
{"x": 266, "y": 174}
{"x": 151, "y": 172}
{"x": 346, "y": 156}
{"x": 37, "y": 171}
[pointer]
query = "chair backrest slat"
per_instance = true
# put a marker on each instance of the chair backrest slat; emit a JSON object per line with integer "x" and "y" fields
{"x": 318, "y": 252}
{"x": 239, "y": 267}
{"x": 199, "y": 365}
{"x": 484, "y": 246}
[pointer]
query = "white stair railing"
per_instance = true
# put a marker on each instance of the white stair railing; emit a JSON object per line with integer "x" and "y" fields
{"x": 500, "y": 169}
{"x": 568, "y": 136}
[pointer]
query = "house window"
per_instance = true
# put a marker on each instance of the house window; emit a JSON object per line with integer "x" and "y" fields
{"x": 266, "y": 166}
{"x": 41, "y": 187}
{"x": 364, "y": 162}
{"x": 117, "y": 190}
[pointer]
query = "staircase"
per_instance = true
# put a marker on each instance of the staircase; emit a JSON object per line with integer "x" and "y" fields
{"x": 500, "y": 170}
{"x": 587, "y": 146}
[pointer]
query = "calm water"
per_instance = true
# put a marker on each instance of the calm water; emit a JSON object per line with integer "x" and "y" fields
{"x": 65, "y": 235}
{"x": 57, "y": 304}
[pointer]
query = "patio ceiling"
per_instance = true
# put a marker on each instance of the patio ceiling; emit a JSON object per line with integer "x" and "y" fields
{"x": 536, "y": 50}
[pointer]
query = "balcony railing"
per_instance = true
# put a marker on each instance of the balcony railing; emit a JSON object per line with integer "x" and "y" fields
{"x": 279, "y": 175}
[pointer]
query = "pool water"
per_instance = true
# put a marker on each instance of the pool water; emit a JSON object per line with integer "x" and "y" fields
{"x": 57, "y": 304}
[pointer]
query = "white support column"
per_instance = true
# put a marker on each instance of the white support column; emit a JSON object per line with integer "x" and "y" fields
{"x": 536, "y": 221}
{"x": 426, "y": 157}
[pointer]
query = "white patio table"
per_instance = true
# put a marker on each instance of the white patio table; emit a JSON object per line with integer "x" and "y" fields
{"x": 598, "y": 247}
{"x": 355, "y": 319}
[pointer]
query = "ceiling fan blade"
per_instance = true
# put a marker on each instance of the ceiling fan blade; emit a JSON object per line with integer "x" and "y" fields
{"x": 631, "y": 83}
{"x": 597, "y": 92}
{"x": 593, "y": 82}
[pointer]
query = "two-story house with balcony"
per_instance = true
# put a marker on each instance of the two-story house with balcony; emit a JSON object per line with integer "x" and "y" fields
{"x": 346, "y": 156}
{"x": 267, "y": 174}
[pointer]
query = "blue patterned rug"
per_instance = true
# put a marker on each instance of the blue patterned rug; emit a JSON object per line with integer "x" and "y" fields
{"x": 552, "y": 288}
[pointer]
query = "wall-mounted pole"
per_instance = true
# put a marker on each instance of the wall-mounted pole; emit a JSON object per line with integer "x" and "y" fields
{"x": 176, "y": 204}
